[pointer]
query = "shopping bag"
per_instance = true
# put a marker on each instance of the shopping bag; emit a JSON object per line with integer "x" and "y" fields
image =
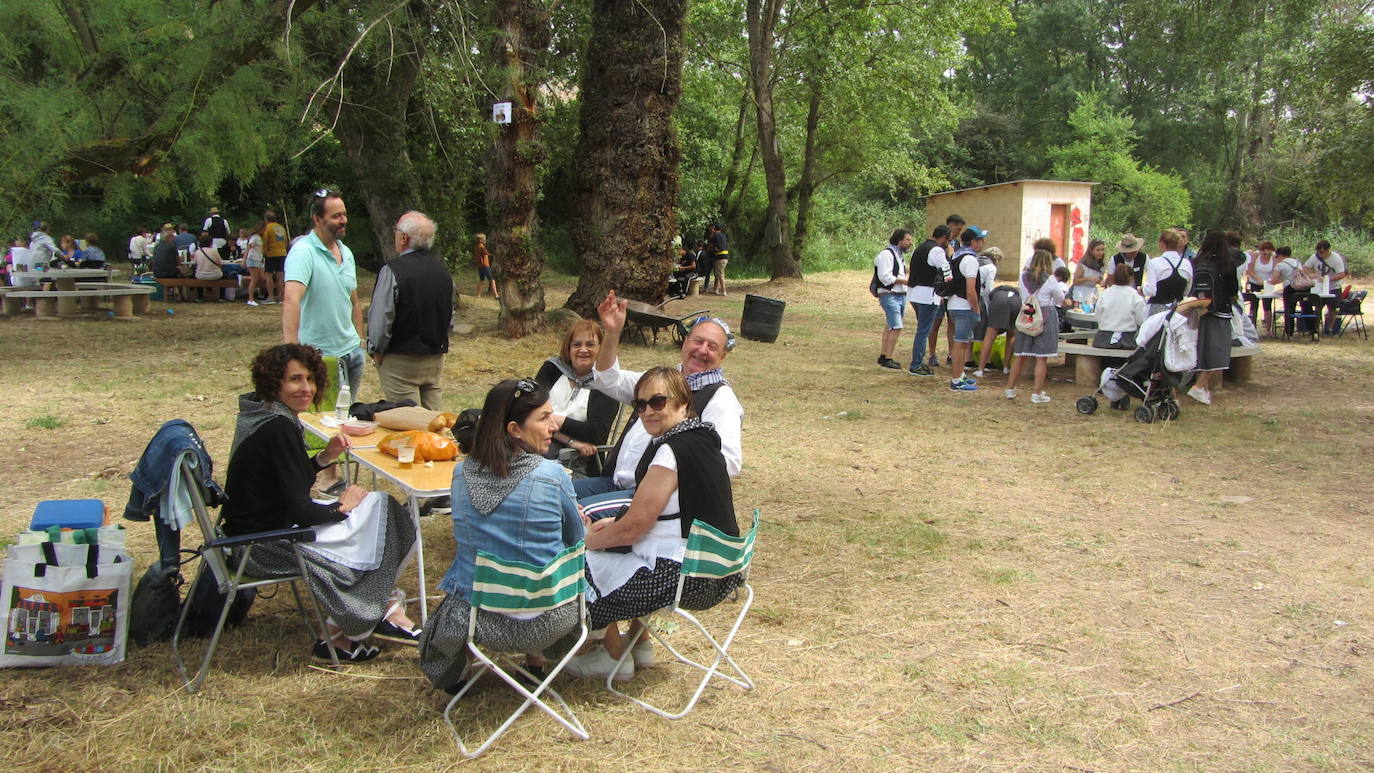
{"x": 65, "y": 605}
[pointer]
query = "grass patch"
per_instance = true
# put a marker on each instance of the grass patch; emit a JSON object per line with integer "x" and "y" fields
{"x": 46, "y": 421}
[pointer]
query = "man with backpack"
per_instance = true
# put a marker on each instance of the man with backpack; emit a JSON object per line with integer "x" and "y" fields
{"x": 889, "y": 286}
{"x": 1326, "y": 263}
{"x": 964, "y": 304}
{"x": 928, "y": 267}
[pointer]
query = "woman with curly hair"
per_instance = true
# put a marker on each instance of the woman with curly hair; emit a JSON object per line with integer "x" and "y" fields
{"x": 363, "y": 540}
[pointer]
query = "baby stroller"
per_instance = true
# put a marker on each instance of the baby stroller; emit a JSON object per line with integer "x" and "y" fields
{"x": 1149, "y": 373}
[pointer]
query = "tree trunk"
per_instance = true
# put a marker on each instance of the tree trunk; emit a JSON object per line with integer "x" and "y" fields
{"x": 373, "y": 121}
{"x": 625, "y": 168}
{"x": 732, "y": 176}
{"x": 806, "y": 185}
{"x": 523, "y": 36}
{"x": 762, "y": 16}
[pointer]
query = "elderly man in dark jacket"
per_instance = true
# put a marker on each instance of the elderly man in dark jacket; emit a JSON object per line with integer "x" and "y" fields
{"x": 412, "y": 311}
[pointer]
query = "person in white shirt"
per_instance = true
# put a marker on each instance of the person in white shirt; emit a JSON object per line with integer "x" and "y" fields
{"x": 1258, "y": 270}
{"x": 709, "y": 341}
{"x": 929, "y": 265}
{"x": 955, "y": 224}
{"x": 890, "y": 273}
{"x": 1120, "y": 311}
{"x": 1329, "y": 265}
{"x": 1168, "y": 276}
{"x": 965, "y": 305}
{"x": 1038, "y": 282}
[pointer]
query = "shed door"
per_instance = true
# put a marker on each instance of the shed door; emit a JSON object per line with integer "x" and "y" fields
{"x": 1059, "y": 228}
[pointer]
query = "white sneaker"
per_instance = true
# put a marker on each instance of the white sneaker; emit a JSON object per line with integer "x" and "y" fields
{"x": 1201, "y": 395}
{"x": 597, "y": 664}
{"x": 252, "y": 303}
{"x": 1042, "y": 398}
{"x": 1011, "y": 394}
{"x": 1006, "y": 371}
{"x": 978, "y": 373}
{"x": 643, "y": 653}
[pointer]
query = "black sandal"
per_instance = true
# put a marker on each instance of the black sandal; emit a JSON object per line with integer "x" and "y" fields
{"x": 360, "y": 653}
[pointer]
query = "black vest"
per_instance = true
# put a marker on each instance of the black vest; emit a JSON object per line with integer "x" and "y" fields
{"x": 1171, "y": 288}
{"x": 1137, "y": 265}
{"x": 700, "y": 399}
{"x": 703, "y": 485}
{"x": 424, "y": 304}
{"x": 218, "y": 228}
{"x": 922, "y": 273}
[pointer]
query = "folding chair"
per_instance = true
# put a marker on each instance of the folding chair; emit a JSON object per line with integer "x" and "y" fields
{"x": 711, "y": 554}
{"x": 217, "y": 560}
{"x": 1350, "y": 313}
{"x": 501, "y": 587}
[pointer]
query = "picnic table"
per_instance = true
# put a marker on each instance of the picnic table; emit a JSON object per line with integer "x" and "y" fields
{"x": 128, "y": 299}
{"x": 648, "y": 317}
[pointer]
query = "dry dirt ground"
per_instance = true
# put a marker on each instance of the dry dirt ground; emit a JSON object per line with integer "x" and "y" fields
{"x": 946, "y": 581}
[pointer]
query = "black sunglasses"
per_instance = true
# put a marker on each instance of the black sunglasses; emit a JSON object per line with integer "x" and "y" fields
{"x": 656, "y": 402}
{"x": 523, "y": 387}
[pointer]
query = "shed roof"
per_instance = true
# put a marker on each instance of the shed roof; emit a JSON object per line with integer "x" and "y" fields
{"x": 1013, "y": 182}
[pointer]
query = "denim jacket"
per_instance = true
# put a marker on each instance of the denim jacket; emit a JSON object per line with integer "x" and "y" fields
{"x": 158, "y": 464}
{"x": 535, "y": 522}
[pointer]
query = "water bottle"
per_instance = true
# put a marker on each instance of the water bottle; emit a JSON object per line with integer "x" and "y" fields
{"x": 345, "y": 398}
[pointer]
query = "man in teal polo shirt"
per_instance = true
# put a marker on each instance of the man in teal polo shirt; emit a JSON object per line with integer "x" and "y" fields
{"x": 320, "y": 305}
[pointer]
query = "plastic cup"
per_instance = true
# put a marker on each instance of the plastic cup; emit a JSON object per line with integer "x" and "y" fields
{"x": 405, "y": 454}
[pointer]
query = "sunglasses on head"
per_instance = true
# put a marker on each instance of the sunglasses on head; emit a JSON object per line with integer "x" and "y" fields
{"x": 657, "y": 402}
{"x": 325, "y": 193}
{"x": 523, "y": 387}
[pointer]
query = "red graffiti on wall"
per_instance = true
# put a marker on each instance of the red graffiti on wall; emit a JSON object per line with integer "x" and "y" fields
{"x": 1076, "y": 217}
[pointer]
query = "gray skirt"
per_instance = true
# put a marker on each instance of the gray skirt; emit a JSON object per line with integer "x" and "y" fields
{"x": 356, "y": 600}
{"x": 444, "y": 640}
{"x": 1004, "y": 303}
{"x": 1102, "y": 339}
{"x": 1213, "y": 343}
{"x": 1047, "y": 343}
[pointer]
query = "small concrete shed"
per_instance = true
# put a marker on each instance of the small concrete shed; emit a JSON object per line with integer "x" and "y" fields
{"x": 1017, "y": 213}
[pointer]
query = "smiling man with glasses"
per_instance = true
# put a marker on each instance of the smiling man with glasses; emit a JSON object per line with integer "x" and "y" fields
{"x": 708, "y": 342}
{"x": 320, "y": 303}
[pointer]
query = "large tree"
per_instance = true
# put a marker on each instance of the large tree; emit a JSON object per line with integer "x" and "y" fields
{"x": 516, "y": 53}
{"x": 625, "y": 171}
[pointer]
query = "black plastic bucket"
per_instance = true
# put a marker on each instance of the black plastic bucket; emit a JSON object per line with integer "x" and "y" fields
{"x": 762, "y": 318}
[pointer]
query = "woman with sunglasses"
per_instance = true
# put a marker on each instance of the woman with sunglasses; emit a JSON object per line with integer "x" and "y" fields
{"x": 634, "y": 559}
{"x": 508, "y": 500}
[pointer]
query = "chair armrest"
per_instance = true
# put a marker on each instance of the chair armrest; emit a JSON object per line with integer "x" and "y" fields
{"x": 296, "y": 534}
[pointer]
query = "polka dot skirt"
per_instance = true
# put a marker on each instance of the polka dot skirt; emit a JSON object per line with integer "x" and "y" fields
{"x": 648, "y": 591}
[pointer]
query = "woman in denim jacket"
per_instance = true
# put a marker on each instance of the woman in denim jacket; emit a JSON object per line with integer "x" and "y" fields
{"x": 511, "y": 502}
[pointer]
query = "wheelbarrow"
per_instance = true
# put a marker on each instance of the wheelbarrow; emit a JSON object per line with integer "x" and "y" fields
{"x": 652, "y": 318}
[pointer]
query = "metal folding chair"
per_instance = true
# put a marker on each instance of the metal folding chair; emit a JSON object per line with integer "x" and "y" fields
{"x": 711, "y": 554}
{"x": 502, "y": 587}
{"x": 1350, "y": 314}
{"x": 218, "y": 564}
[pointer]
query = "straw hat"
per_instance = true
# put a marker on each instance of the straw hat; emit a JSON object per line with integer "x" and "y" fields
{"x": 1130, "y": 243}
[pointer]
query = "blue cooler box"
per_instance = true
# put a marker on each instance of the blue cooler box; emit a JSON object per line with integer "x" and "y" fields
{"x": 68, "y": 514}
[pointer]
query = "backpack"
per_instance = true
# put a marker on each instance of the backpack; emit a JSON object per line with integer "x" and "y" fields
{"x": 873, "y": 284}
{"x": 1029, "y": 320}
{"x": 955, "y": 284}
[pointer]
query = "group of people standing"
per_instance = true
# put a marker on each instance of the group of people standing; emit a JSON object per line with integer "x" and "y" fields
{"x": 672, "y": 465}
{"x": 951, "y": 276}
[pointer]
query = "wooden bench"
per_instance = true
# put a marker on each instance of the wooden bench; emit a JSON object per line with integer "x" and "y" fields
{"x": 179, "y": 282}
{"x": 1087, "y": 361}
{"x": 128, "y": 300}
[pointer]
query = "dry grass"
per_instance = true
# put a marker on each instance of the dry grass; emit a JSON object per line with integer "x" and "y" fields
{"x": 945, "y": 581}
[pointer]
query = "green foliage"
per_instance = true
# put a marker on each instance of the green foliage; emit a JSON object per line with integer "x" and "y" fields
{"x": 1130, "y": 196}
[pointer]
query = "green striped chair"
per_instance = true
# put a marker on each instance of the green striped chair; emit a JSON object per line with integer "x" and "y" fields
{"x": 710, "y": 554}
{"x": 500, "y": 587}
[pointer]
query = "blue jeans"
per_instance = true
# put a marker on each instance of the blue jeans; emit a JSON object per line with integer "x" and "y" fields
{"x": 892, "y": 309}
{"x": 354, "y": 362}
{"x": 926, "y": 314}
{"x": 586, "y": 487}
